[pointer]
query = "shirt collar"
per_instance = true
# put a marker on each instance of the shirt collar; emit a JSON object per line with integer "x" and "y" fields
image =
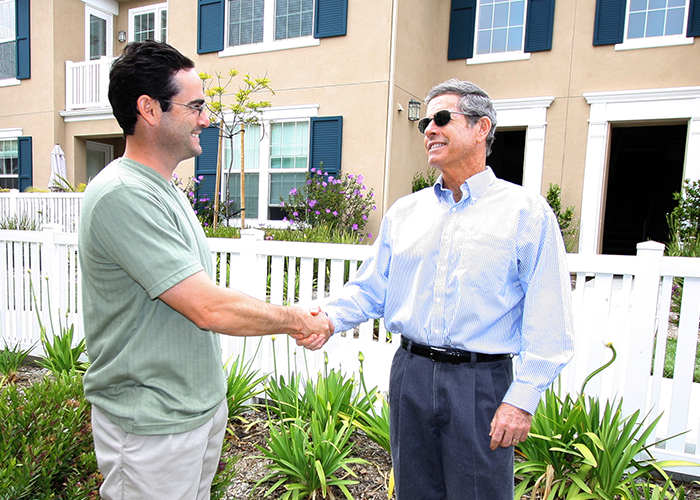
{"x": 473, "y": 188}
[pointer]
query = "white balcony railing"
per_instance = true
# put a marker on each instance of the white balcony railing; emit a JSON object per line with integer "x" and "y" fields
{"x": 87, "y": 83}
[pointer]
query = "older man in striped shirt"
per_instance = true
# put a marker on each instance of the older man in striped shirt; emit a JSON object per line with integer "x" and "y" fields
{"x": 472, "y": 274}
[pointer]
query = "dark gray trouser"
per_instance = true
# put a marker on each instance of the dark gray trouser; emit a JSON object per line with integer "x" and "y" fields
{"x": 440, "y": 417}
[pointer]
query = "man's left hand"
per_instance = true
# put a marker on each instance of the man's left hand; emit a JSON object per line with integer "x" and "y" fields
{"x": 509, "y": 426}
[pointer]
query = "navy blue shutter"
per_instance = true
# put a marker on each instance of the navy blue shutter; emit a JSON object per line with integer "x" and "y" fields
{"x": 330, "y": 18}
{"x": 609, "y": 22}
{"x": 540, "y": 25}
{"x": 24, "y": 162}
{"x": 24, "y": 66}
{"x": 210, "y": 26}
{"x": 694, "y": 18}
{"x": 326, "y": 143}
{"x": 205, "y": 164}
{"x": 462, "y": 25}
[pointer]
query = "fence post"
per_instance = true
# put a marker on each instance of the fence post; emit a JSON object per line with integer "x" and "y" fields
{"x": 14, "y": 203}
{"x": 50, "y": 280}
{"x": 640, "y": 343}
{"x": 253, "y": 274}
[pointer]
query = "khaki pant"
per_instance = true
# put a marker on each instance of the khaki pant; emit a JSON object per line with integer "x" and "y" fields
{"x": 168, "y": 467}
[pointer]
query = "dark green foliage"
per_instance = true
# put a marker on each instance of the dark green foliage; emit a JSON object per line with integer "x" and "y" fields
{"x": 421, "y": 181}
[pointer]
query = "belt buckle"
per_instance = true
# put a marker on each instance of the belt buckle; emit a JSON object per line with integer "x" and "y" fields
{"x": 434, "y": 352}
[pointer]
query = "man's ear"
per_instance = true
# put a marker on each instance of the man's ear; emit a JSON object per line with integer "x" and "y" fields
{"x": 484, "y": 127}
{"x": 149, "y": 109}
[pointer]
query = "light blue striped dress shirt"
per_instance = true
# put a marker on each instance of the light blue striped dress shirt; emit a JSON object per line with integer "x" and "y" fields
{"x": 487, "y": 274}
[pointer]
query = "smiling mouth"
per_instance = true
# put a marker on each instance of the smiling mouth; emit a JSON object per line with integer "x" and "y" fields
{"x": 436, "y": 145}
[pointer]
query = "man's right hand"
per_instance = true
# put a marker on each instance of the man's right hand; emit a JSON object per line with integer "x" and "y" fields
{"x": 316, "y": 340}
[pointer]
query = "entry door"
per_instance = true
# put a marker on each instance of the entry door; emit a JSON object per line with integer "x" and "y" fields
{"x": 98, "y": 156}
{"x": 508, "y": 155}
{"x": 645, "y": 169}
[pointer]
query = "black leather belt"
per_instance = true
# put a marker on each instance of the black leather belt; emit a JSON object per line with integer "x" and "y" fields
{"x": 449, "y": 354}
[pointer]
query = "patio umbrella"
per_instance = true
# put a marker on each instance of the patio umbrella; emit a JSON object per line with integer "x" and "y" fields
{"x": 58, "y": 169}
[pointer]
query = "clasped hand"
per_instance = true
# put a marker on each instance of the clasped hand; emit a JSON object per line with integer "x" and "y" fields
{"x": 317, "y": 330}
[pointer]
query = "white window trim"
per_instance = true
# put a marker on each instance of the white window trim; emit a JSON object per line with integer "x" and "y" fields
{"x": 654, "y": 41}
{"x": 269, "y": 44}
{"x": 8, "y": 82}
{"x": 630, "y": 106}
{"x": 530, "y": 113}
{"x": 90, "y": 10}
{"x": 10, "y": 133}
{"x": 272, "y": 114}
{"x": 156, "y": 9}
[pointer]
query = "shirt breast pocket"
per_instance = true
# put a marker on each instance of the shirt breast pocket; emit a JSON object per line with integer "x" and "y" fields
{"x": 484, "y": 261}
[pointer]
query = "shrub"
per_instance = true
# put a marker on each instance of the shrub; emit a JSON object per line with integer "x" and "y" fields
{"x": 339, "y": 202}
{"x": 421, "y": 181}
{"x": 19, "y": 222}
{"x": 11, "y": 359}
{"x": 684, "y": 222}
{"x": 567, "y": 223}
{"x": 202, "y": 205}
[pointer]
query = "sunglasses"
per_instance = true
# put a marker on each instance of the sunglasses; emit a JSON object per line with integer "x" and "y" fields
{"x": 441, "y": 119}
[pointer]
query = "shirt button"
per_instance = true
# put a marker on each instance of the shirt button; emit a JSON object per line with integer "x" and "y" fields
{"x": 437, "y": 300}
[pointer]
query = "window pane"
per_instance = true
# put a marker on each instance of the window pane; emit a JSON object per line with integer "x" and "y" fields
{"x": 500, "y": 26}
{"x": 164, "y": 26}
{"x": 282, "y": 183}
{"x": 7, "y": 21}
{"x": 293, "y": 18}
{"x": 252, "y": 151}
{"x": 657, "y": 4}
{"x": 486, "y": 17}
{"x": 245, "y": 21}
{"x": 483, "y": 43}
{"x": 655, "y": 23}
{"x": 674, "y": 21}
{"x": 8, "y": 157}
{"x": 637, "y": 5}
{"x": 676, "y": 3}
{"x": 636, "y": 25}
{"x": 252, "y": 188}
{"x": 8, "y": 60}
{"x": 517, "y": 13}
{"x": 499, "y": 40}
{"x": 289, "y": 145}
{"x": 98, "y": 37}
{"x": 515, "y": 38}
{"x": 500, "y": 15}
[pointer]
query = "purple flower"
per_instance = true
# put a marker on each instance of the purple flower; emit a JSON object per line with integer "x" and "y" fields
{"x": 312, "y": 203}
{"x": 318, "y": 213}
{"x": 328, "y": 210}
{"x": 354, "y": 227}
{"x": 199, "y": 178}
{"x": 293, "y": 191}
{"x": 350, "y": 176}
{"x": 364, "y": 217}
{"x": 281, "y": 203}
{"x": 335, "y": 213}
{"x": 295, "y": 214}
{"x": 313, "y": 169}
{"x": 324, "y": 184}
{"x": 369, "y": 235}
{"x": 360, "y": 178}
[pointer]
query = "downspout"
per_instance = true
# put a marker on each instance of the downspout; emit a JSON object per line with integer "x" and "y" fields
{"x": 390, "y": 107}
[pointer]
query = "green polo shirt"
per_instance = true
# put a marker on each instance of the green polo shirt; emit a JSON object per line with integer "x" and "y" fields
{"x": 152, "y": 370}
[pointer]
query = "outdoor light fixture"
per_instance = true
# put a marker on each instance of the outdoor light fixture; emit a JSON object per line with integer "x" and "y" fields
{"x": 414, "y": 110}
{"x": 121, "y": 36}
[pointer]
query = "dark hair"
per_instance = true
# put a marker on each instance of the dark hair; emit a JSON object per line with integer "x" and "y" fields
{"x": 144, "y": 68}
{"x": 472, "y": 100}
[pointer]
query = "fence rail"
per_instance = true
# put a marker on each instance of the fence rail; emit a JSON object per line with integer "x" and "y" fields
{"x": 636, "y": 302}
{"x": 44, "y": 208}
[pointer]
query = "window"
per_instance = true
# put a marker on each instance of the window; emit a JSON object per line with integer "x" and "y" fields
{"x": 274, "y": 164}
{"x": 635, "y": 24}
{"x": 264, "y": 25}
{"x": 8, "y": 51}
{"x": 98, "y": 33}
{"x": 9, "y": 164}
{"x": 234, "y": 27}
{"x": 293, "y": 18}
{"x": 149, "y": 23}
{"x": 484, "y": 31}
{"x": 501, "y": 26}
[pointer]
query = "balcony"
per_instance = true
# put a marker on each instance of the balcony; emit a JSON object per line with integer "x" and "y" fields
{"x": 86, "y": 90}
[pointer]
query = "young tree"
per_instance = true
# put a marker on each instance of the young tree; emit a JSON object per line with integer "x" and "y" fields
{"x": 231, "y": 120}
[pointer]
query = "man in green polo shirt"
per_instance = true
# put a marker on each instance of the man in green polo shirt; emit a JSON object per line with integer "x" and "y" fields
{"x": 156, "y": 381}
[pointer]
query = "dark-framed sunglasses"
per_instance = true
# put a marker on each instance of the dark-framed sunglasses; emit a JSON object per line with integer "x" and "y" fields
{"x": 441, "y": 119}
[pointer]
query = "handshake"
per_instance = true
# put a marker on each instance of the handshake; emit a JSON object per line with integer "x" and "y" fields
{"x": 316, "y": 329}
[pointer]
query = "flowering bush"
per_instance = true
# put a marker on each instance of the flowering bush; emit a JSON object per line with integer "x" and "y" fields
{"x": 203, "y": 206}
{"x": 341, "y": 202}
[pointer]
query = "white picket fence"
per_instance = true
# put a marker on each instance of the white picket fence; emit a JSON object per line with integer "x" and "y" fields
{"x": 43, "y": 208}
{"x": 625, "y": 300}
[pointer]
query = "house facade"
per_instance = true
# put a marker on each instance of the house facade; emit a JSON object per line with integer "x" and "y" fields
{"x": 601, "y": 97}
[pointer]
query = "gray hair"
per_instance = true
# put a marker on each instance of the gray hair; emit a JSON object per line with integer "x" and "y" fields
{"x": 472, "y": 100}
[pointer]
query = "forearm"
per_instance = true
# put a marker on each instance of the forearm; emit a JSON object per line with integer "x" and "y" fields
{"x": 232, "y": 312}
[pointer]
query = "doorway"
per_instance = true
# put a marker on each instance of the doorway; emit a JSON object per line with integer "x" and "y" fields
{"x": 508, "y": 155}
{"x": 645, "y": 169}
